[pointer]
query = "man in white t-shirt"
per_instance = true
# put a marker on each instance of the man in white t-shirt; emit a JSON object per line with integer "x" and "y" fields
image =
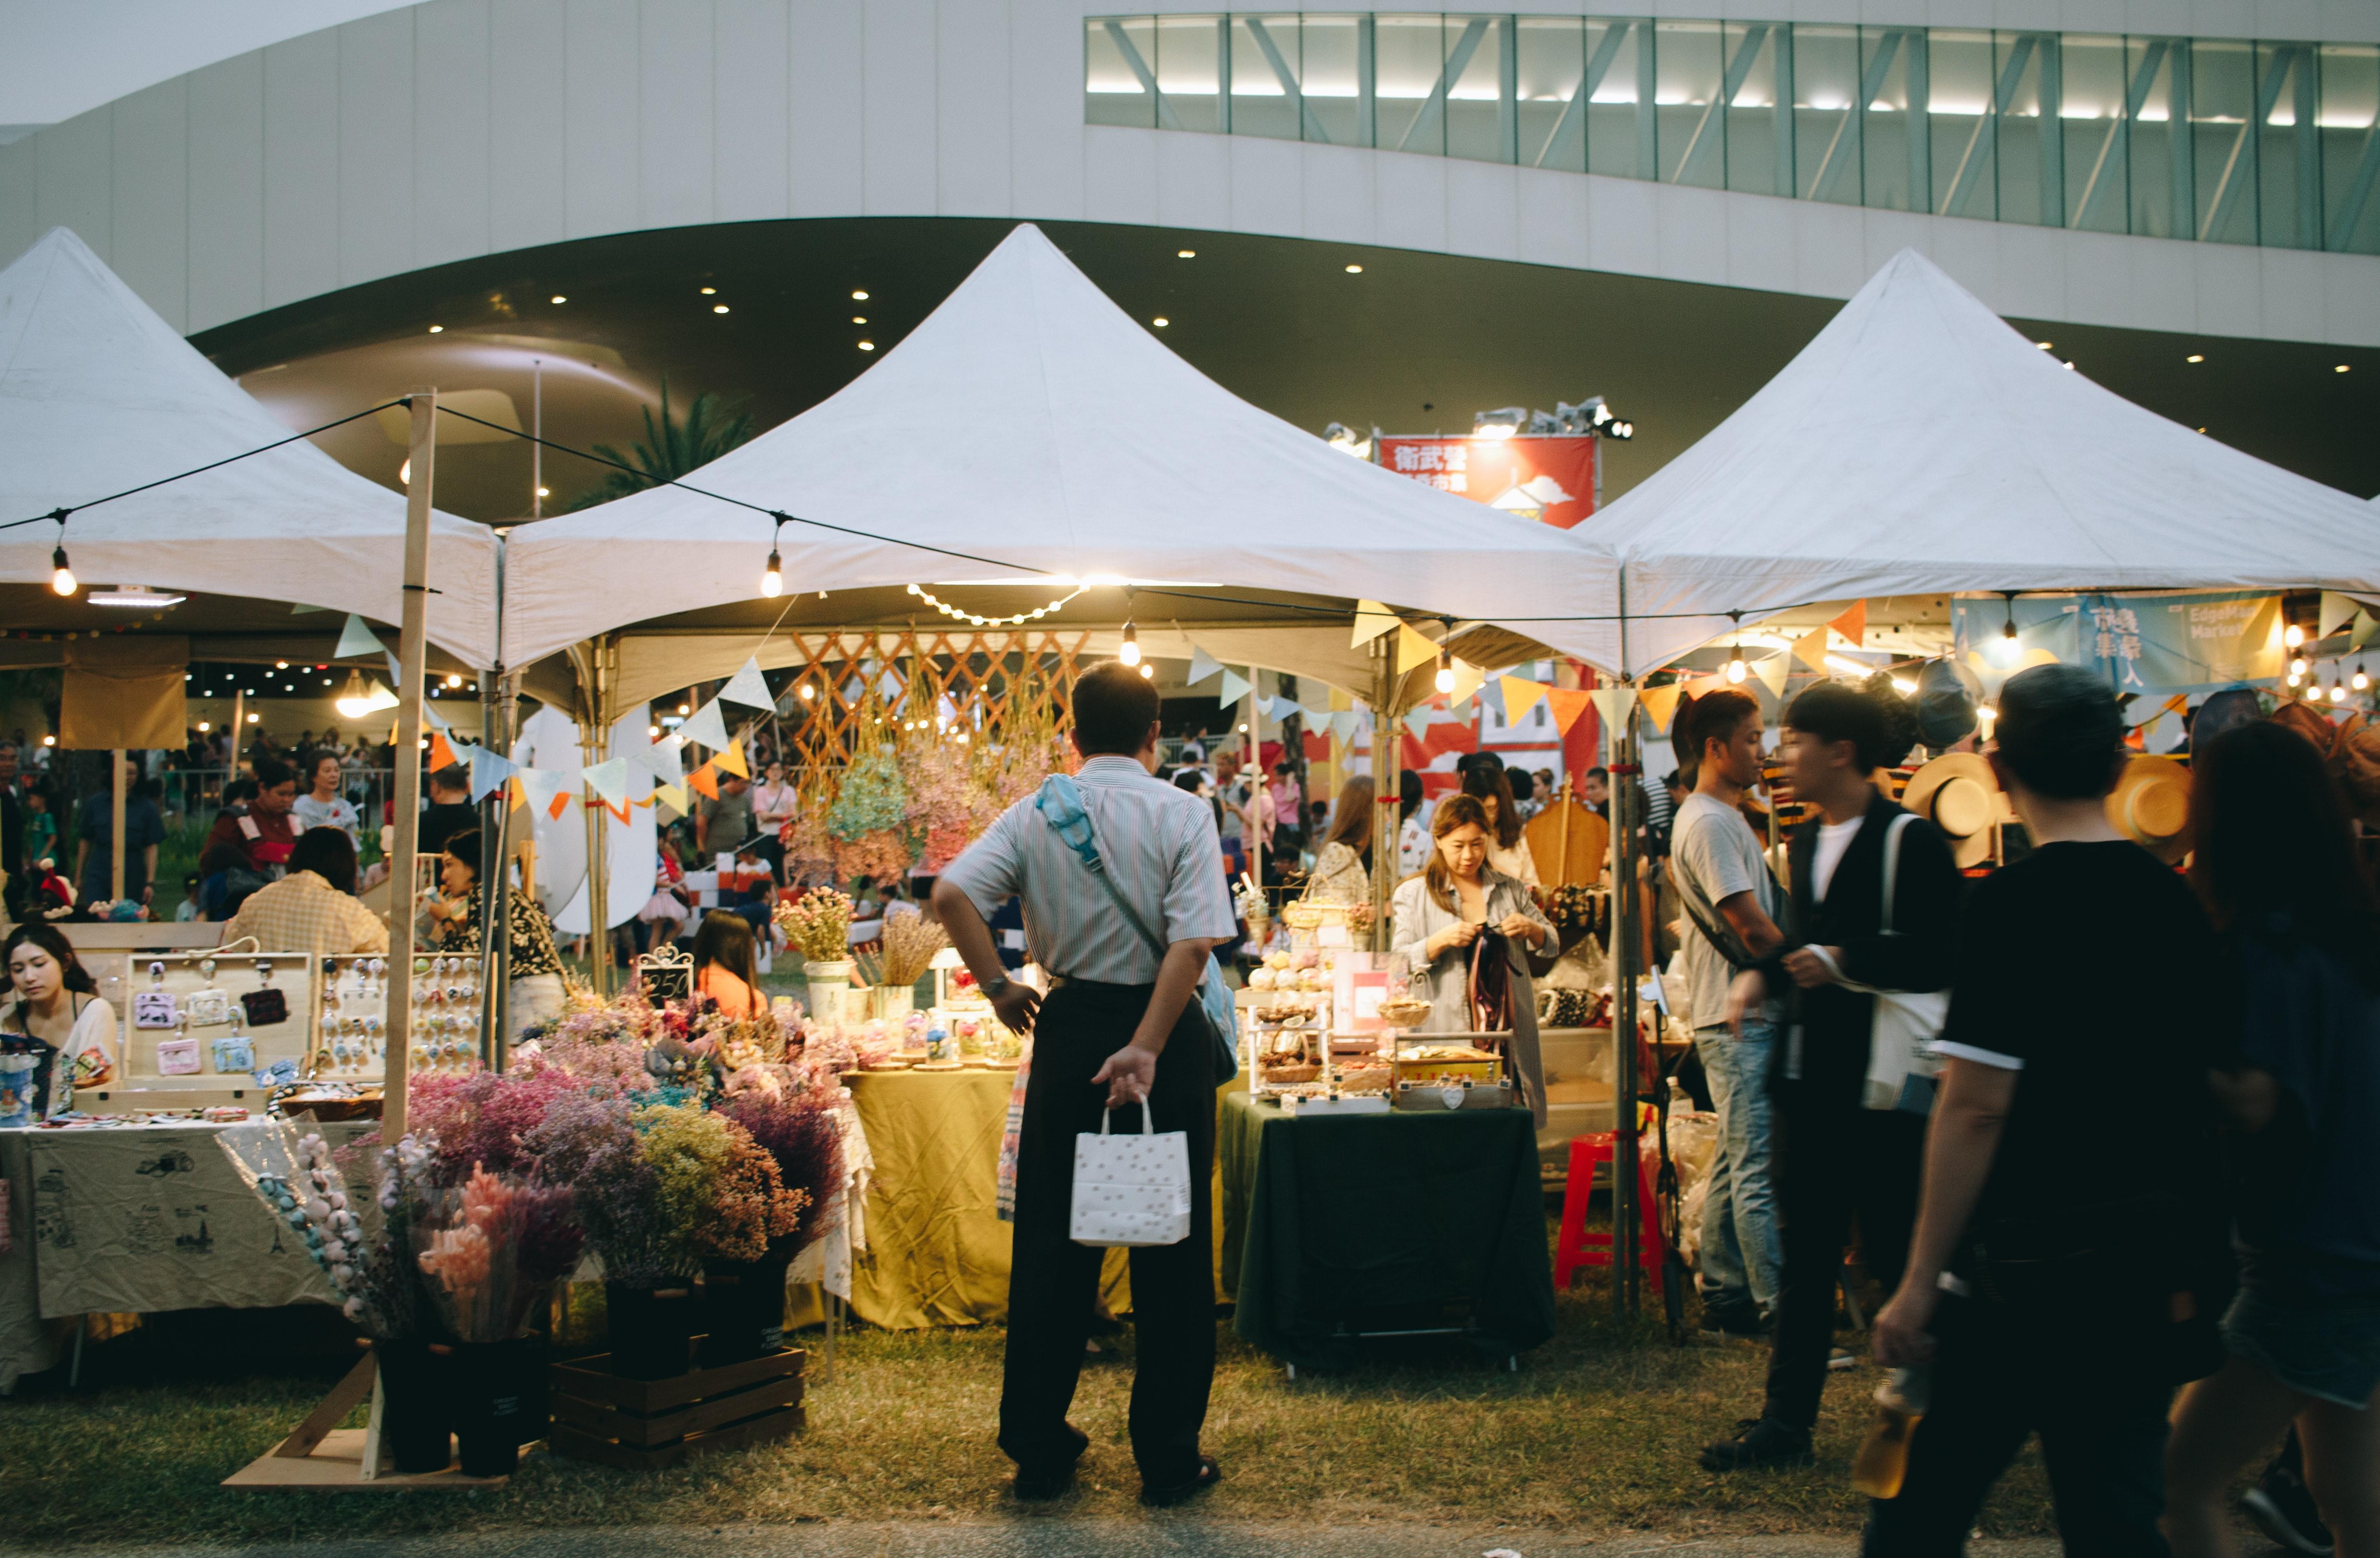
{"x": 1731, "y": 903}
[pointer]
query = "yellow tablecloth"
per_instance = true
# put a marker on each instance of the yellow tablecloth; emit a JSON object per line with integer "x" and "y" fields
{"x": 937, "y": 1251}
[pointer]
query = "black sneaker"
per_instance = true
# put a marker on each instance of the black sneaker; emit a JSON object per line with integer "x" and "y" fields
{"x": 1741, "y": 1322}
{"x": 2283, "y": 1511}
{"x": 1758, "y": 1442}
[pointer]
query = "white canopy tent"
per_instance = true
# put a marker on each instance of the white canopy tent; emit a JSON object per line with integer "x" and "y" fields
{"x": 98, "y": 394}
{"x": 1919, "y": 444}
{"x": 1031, "y": 426}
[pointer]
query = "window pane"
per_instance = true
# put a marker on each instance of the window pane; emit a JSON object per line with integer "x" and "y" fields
{"x": 1264, "y": 77}
{"x": 1618, "y": 127}
{"x": 1117, "y": 83}
{"x": 2032, "y": 154}
{"x": 1337, "y": 70}
{"x": 2351, "y": 147}
{"x": 2222, "y": 134}
{"x": 1759, "y": 109}
{"x": 1191, "y": 63}
{"x": 1691, "y": 129}
{"x": 1412, "y": 53}
{"x": 2289, "y": 156}
{"x": 1826, "y": 114}
{"x": 2164, "y": 190}
{"x": 1895, "y": 170}
{"x": 1959, "y": 81}
{"x": 1550, "y": 62}
{"x": 2096, "y": 121}
{"x": 1480, "y": 68}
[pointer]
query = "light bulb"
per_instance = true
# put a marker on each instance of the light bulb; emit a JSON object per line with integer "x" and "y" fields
{"x": 1130, "y": 653}
{"x": 1445, "y": 671}
{"x": 807, "y": 692}
{"x": 1148, "y": 672}
{"x": 2293, "y": 636}
{"x": 2298, "y": 666}
{"x": 62, "y": 578}
{"x": 1736, "y": 669}
{"x": 2338, "y": 691}
{"x": 772, "y": 578}
{"x": 2362, "y": 680}
{"x": 2296, "y": 677}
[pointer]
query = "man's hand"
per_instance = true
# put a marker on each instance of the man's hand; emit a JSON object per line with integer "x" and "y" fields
{"x": 1745, "y": 994}
{"x": 1129, "y": 1073}
{"x": 1808, "y": 971}
{"x": 1900, "y": 1337}
{"x": 1017, "y": 1006}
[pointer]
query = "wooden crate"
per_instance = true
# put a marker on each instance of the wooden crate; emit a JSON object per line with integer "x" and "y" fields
{"x": 645, "y": 1425}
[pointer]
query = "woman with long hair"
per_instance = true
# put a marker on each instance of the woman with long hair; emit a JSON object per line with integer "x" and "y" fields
{"x": 56, "y": 1034}
{"x": 2276, "y": 866}
{"x": 726, "y": 968}
{"x": 534, "y": 964}
{"x": 1442, "y": 917}
{"x": 1343, "y": 871}
{"x": 1485, "y": 781}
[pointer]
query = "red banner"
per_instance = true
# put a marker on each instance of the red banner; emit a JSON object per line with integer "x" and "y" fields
{"x": 1549, "y": 479}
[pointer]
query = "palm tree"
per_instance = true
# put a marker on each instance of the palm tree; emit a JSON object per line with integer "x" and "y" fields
{"x": 671, "y": 449}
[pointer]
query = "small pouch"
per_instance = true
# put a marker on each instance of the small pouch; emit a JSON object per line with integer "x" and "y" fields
{"x": 155, "y": 1007}
{"x": 267, "y": 1005}
{"x": 207, "y": 1006}
{"x": 92, "y": 1068}
{"x": 177, "y": 1056}
{"x": 233, "y": 1055}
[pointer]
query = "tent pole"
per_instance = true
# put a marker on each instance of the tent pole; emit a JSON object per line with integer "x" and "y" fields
{"x": 1256, "y": 768}
{"x": 115, "y": 839}
{"x": 1627, "y": 904}
{"x": 591, "y": 744}
{"x": 500, "y": 982}
{"x": 1386, "y": 783}
{"x": 238, "y": 714}
{"x": 495, "y": 872}
{"x": 410, "y": 656}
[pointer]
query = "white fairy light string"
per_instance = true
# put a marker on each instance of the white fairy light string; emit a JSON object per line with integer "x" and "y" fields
{"x": 958, "y": 614}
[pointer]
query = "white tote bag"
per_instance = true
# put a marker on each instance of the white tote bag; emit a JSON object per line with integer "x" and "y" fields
{"x": 1131, "y": 1190}
{"x": 1901, "y": 1064}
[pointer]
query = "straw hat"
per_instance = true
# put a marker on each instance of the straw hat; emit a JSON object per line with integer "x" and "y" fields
{"x": 1957, "y": 794}
{"x": 2151, "y": 805}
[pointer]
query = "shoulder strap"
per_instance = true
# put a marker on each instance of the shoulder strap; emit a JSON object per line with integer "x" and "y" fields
{"x": 1892, "y": 865}
{"x": 1061, "y": 804}
{"x": 1723, "y": 941}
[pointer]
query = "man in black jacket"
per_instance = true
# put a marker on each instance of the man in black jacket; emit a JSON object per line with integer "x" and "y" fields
{"x": 1836, "y": 1158}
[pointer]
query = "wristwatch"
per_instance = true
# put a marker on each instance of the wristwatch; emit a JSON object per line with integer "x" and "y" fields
{"x": 993, "y": 989}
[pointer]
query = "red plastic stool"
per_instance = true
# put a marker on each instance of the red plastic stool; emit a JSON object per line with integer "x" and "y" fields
{"x": 1577, "y": 1246}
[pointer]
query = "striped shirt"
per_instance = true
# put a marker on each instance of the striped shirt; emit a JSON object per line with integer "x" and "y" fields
{"x": 302, "y": 912}
{"x": 1161, "y": 850}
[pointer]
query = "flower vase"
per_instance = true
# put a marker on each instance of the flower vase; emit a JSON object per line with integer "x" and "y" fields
{"x": 744, "y": 1309}
{"x": 414, "y": 1414}
{"x": 828, "y": 982}
{"x": 892, "y": 1003}
{"x": 499, "y": 1401}
{"x": 652, "y": 1329}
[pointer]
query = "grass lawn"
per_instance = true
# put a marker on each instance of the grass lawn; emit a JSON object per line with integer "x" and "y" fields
{"x": 1597, "y": 1432}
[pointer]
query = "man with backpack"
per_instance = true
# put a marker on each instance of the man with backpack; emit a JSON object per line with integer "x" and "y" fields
{"x": 1125, "y": 947}
{"x": 1874, "y": 894}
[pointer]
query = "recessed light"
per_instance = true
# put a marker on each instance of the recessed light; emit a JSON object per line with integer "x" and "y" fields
{"x": 1185, "y": 254}
{"x": 559, "y": 298}
{"x": 709, "y": 290}
{"x": 436, "y": 327}
{"x": 860, "y": 295}
{"x": 1355, "y": 269}
{"x": 2069, "y": 367}
{"x": 860, "y": 319}
{"x": 719, "y": 307}
{"x": 868, "y": 345}
{"x": 2194, "y": 357}
{"x": 545, "y": 492}
{"x": 1161, "y": 321}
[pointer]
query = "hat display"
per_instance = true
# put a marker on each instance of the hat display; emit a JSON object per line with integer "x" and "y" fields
{"x": 1945, "y": 708}
{"x": 2355, "y": 759}
{"x": 2150, "y": 805}
{"x": 2223, "y": 711}
{"x": 1957, "y": 794}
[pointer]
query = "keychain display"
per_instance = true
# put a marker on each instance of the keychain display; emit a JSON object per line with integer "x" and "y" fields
{"x": 233, "y": 1053}
{"x": 266, "y": 1006}
{"x": 177, "y": 1056}
{"x": 353, "y": 1023}
{"x": 210, "y": 1006}
{"x": 155, "y": 1007}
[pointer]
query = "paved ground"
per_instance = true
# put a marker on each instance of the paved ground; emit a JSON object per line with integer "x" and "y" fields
{"x": 1025, "y": 1537}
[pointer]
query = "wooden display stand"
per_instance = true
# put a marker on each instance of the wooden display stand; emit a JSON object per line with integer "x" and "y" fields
{"x": 646, "y": 1425}
{"x": 321, "y": 1458}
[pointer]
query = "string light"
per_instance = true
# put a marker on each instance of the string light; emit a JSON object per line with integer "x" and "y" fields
{"x": 2005, "y": 651}
{"x": 773, "y": 577}
{"x": 808, "y": 692}
{"x": 2297, "y": 669}
{"x": 62, "y": 578}
{"x": 2362, "y": 681}
{"x": 2338, "y": 691}
{"x": 1445, "y": 671}
{"x": 1130, "y": 653}
{"x": 959, "y": 615}
{"x": 1736, "y": 669}
{"x": 1148, "y": 672}
{"x": 2294, "y": 634}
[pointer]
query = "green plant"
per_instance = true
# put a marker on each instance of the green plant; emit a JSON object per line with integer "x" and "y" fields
{"x": 671, "y": 448}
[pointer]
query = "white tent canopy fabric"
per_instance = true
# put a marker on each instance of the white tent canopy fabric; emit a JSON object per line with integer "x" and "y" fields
{"x": 1919, "y": 444}
{"x": 1031, "y": 423}
{"x": 97, "y": 394}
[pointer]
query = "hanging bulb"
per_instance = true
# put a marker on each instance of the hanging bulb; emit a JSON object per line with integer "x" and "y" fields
{"x": 2293, "y": 636}
{"x": 2005, "y": 649}
{"x": 808, "y": 692}
{"x": 1130, "y": 653}
{"x": 2296, "y": 677}
{"x": 1445, "y": 671}
{"x": 2338, "y": 691}
{"x": 355, "y": 698}
{"x": 772, "y": 578}
{"x": 2297, "y": 668}
{"x": 1148, "y": 672}
{"x": 62, "y": 578}
{"x": 1736, "y": 669}
{"x": 2362, "y": 680}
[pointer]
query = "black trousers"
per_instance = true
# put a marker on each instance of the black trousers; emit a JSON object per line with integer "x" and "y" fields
{"x": 1998, "y": 1379}
{"x": 1833, "y": 1163}
{"x": 1053, "y": 1283}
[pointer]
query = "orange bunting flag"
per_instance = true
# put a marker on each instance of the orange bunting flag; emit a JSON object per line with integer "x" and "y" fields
{"x": 1852, "y": 624}
{"x": 731, "y": 761}
{"x": 442, "y": 754}
{"x": 1660, "y": 703}
{"x": 1704, "y": 686}
{"x": 705, "y": 780}
{"x": 1811, "y": 650}
{"x": 1519, "y": 697}
{"x": 2178, "y": 704}
{"x": 516, "y": 792}
{"x": 559, "y": 804}
{"x": 1567, "y": 703}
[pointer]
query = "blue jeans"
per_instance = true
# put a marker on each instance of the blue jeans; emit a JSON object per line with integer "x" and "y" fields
{"x": 1741, "y": 1255}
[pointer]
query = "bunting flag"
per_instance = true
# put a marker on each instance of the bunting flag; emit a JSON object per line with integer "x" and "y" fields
{"x": 355, "y": 639}
{"x": 1286, "y": 709}
{"x": 490, "y": 769}
{"x": 707, "y": 728}
{"x": 672, "y": 796}
{"x": 1567, "y": 703}
{"x": 442, "y": 752}
{"x": 1773, "y": 671}
{"x": 1491, "y": 697}
{"x": 1613, "y": 703}
{"x": 1811, "y": 650}
{"x": 545, "y": 790}
{"x": 1704, "y": 686}
{"x": 1519, "y": 697}
{"x": 1414, "y": 649}
{"x": 1346, "y": 722}
{"x": 515, "y": 793}
{"x": 2366, "y": 628}
{"x": 731, "y": 761}
{"x": 1202, "y": 665}
{"x": 1233, "y": 688}
{"x": 2178, "y": 704}
{"x": 665, "y": 759}
{"x": 1372, "y": 619}
{"x": 1660, "y": 703}
{"x": 1417, "y": 720}
{"x": 705, "y": 782}
{"x": 1852, "y": 624}
{"x": 1468, "y": 680}
{"x": 2338, "y": 610}
{"x": 748, "y": 688}
{"x": 1264, "y": 704}
{"x": 307, "y": 610}
{"x": 609, "y": 780}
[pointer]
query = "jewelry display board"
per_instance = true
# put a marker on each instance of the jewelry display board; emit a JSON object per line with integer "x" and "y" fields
{"x": 206, "y": 1022}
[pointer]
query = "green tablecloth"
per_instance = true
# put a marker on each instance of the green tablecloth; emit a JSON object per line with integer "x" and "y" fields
{"x": 1376, "y": 1221}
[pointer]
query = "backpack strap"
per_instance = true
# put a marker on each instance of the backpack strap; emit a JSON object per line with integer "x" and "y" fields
{"x": 1061, "y": 804}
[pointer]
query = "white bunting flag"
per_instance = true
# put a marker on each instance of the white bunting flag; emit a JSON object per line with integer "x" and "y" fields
{"x": 748, "y": 688}
{"x": 1202, "y": 665}
{"x": 707, "y": 728}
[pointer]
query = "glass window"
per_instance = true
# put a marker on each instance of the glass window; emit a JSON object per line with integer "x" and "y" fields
{"x": 1265, "y": 95}
{"x": 1760, "y": 90}
{"x": 2289, "y": 157}
{"x": 2351, "y": 147}
{"x": 1194, "y": 66}
{"x": 1549, "y": 62}
{"x": 1119, "y": 84}
{"x": 1619, "y": 72}
{"x": 1959, "y": 116}
{"x": 2223, "y": 135}
{"x": 1826, "y": 114}
{"x": 1411, "y": 51}
{"x": 1689, "y": 128}
{"x": 1480, "y": 65}
{"x": 2164, "y": 188}
{"x": 2096, "y": 119}
{"x": 1896, "y": 171}
{"x": 1338, "y": 79}
{"x": 2032, "y": 150}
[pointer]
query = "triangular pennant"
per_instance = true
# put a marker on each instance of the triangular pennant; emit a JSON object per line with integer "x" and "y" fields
{"x": 1286, "y": 709}
{"x": 308, "y": 611}
{"x": 2338, "y": 610}
{"x": 748, "y": 688}
{"x": 545, "y": 790}
{"x": 1417, "y": 720}
{"x": 1468, "y": 681}
{"x": 437, "y": 721}
{"x": 1852, "y": 624}
{"x": 1772, "y": 672}
{"x": 1372, "y": 619}
{"x": 357, "y": 639}
{"x": 1202, "y": 665}
{"x": 1264, "y": 704}
{"x": 609, "y": 780}
{"x": 706, "y": 727}
{"x": 1491, "y": 697}
{"x": 2366, "y": 629}
{"x": 1519, "y": 697}
{"x": 663, "y": 759}
{"x": 1567, "y": 703}
{"x": 515, "y": 793}
{"x": 1704, "y": 686}
{"x": 1612, "y": 703}
{"x": 1233, "y": 688}
{"x": 705, "y": 782}
{"x": 1345, "y": 722}
{"x": 1414, "y": 649}
{"x": 672, "y": 796}
{"x": 490, "y": 769}
{"x": 442, "y": 752}
{"x": 1660, "y": 703}
{"x": 2178, "y": 704}
{"x": 1811, "y": 650}
{"x": 731, "y": 761}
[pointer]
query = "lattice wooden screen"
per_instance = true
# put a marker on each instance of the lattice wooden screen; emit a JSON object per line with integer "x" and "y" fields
{"x": 987, "y": 680}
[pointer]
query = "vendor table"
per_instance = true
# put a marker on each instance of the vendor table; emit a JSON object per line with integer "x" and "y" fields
{"x": 936, "y": 1250}
{"x": 139, "y": 1218}
{"x": 1339, "y": 1226}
